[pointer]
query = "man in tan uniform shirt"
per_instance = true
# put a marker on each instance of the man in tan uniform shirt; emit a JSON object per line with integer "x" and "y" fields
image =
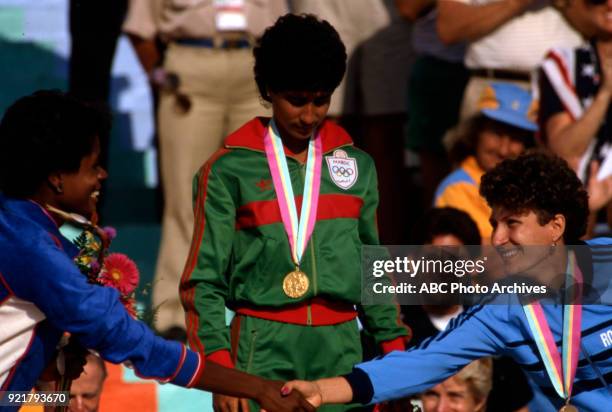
{"x": 209, "y": 52}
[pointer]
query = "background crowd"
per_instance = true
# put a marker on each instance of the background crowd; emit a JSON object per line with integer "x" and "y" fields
{"x": 437, "y": 92}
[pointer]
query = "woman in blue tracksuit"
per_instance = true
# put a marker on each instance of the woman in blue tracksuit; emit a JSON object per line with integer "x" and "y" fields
{"x": 49, "y": 156}
{"x": 536, "y": 200}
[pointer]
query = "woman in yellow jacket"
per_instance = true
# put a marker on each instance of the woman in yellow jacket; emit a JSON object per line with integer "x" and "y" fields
{"x": 502, "y": 129}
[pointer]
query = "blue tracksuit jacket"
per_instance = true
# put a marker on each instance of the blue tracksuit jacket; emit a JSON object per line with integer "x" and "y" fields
{"x": 487, "y": 330}
{"x": 43, "y": 294}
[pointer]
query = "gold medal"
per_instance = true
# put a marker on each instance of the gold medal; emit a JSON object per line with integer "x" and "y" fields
{"x": 568, "y": 408}
{"x": 295, "y": 284}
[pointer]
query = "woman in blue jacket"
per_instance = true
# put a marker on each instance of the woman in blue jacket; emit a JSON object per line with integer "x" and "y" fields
{"x": 539, "y": 208}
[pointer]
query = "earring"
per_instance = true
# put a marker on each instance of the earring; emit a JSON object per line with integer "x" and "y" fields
{"x": 552, "y": 248}
{"x": 59, "y": 189}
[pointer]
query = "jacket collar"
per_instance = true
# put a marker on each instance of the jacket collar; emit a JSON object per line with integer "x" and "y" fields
{"x": 251, "y": 136}
{"x": 28, "y": 209}
{"x": 32, "y": 211}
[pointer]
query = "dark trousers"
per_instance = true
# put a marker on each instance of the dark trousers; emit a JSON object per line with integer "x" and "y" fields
{"x": 95, "y": 26}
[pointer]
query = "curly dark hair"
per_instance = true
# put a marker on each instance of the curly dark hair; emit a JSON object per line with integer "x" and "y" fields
{"x": 469, "y": 134}
{"x": 44, "y": 133}
{"x": 446, "y": 221}
{"x": 542, "y": 183}
{"x": 299, "y": 53}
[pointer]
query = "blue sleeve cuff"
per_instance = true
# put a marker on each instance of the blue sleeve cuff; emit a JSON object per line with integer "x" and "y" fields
{"x": 171, "y": 362}
{"x": 360, "y": 382}
{"x": 189, "y": 369}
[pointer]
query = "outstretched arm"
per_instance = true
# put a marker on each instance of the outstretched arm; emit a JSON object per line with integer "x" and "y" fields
{"x": 400, "y": 374}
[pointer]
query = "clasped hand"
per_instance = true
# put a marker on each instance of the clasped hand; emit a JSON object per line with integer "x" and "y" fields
{"x": 271, "y": 399}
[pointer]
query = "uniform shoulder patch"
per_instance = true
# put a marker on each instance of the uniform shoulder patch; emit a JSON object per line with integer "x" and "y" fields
{"x": 342, "y": 169}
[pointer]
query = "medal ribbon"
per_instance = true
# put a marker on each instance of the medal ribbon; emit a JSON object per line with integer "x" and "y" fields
{"x": 299, "y": 228}
{"x": 561, "y": 372}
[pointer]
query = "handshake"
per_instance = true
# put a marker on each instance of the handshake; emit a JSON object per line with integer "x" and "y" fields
{"x": 272, "y": 396}
{"x": 300, "y": 395}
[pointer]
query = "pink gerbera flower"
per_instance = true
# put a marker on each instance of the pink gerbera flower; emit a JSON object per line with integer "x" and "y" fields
{"x": 120, "y": 272}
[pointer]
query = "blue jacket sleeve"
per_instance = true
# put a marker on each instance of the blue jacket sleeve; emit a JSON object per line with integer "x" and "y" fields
{"x": 48, "y": 278}
{"x": 472, "y": 335}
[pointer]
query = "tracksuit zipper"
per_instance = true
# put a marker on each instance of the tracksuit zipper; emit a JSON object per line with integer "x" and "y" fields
{"x": 251, "y": 351}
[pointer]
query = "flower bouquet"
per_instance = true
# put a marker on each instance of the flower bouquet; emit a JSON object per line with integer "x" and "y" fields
{"x": 114, "y": 270}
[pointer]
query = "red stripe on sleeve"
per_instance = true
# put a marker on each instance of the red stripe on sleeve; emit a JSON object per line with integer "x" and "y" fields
{"x": 187, "y": 291}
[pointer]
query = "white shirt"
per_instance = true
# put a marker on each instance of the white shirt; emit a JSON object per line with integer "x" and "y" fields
{"x": 521, "y": 43}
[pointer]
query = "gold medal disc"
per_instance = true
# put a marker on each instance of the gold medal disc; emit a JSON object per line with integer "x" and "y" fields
{"x": 568, "y": 408}
{"x": 295, "y": 284}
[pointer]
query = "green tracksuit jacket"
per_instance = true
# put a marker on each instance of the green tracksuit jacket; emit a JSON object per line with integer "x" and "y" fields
{"x": 240, "y": 252}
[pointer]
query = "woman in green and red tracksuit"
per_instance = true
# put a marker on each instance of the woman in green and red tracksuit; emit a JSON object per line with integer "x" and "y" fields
{"x": 290, "y": 323}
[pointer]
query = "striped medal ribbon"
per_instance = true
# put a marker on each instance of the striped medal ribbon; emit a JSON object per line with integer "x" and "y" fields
{"x": 561, "y": 371}
{"x": 298, "y": 227}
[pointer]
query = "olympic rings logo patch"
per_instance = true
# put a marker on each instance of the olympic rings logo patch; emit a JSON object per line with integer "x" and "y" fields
{"x": 342, "y": 169}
